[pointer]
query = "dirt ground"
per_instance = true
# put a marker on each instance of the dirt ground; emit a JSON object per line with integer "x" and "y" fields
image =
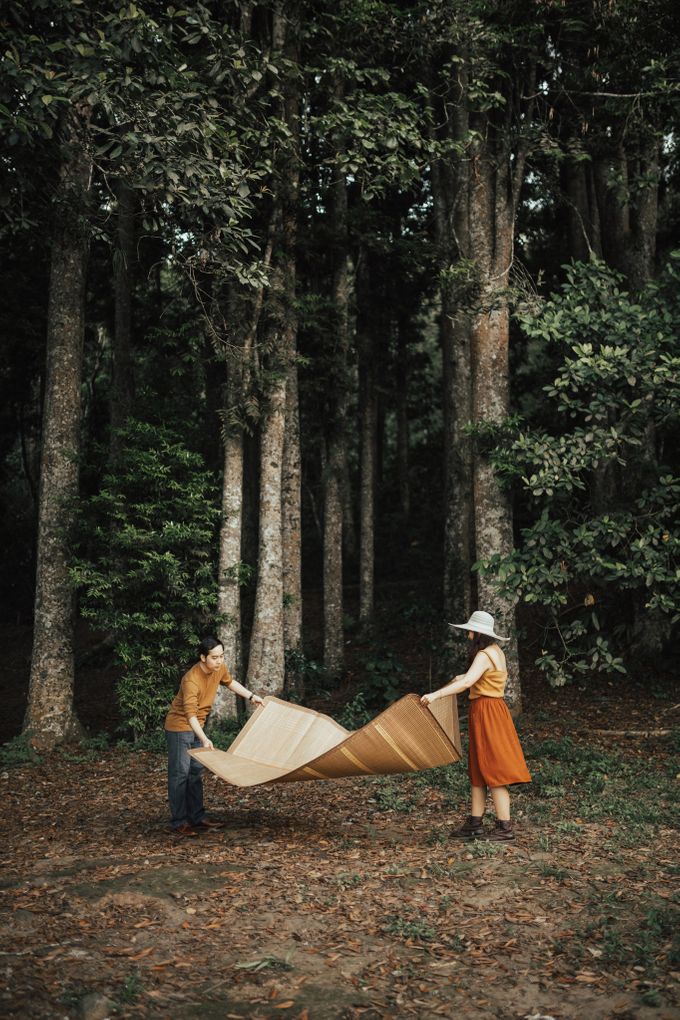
{"x": 350, "y": 899}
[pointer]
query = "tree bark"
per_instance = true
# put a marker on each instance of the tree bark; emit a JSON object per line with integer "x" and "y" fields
{"x": 122, "y": 380}
{"x": 292, "y": 471}
{"x": 450, "y": 188}
{"x": 644, "y": 216}
{"x": 50, "y": 715}
{"x": 231, "y": 528}
{"x": 492, "y": 215}
{"x": 266, "y": 663}
{"x": 368, "y": 428}
{"x": 403, "y": 419}
{"x": 349, "y": 531}
{"x": 333, "y": 476}
{"x": 292, "y": 519}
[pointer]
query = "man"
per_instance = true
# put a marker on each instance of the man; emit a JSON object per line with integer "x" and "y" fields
{"x": 184, "y": 731}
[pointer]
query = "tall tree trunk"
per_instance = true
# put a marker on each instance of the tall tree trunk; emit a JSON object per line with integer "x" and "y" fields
{"x": 231, "y": 530}
{"x": 644, "y": 215}
{"x": 292, "y": 472}
{"x": 349, "y": 531}
{"x": 450, "y": 188}
{"x": 292, "y": 520}
{"x": 402, "y": 419}
{"x": 266, "y": 659}
{"x": 583, "y": 233}
{"x": 492, "y": 214}
{"x": 50, "y": 715}
{"x": 368, "y": 428}
{"x": 122, "y": 381}
{"x": 266, "y": 662}
{"x": 333, "y": 476}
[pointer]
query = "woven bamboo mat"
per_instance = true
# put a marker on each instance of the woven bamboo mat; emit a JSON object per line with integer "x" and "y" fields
{"x": 286, "y": 743}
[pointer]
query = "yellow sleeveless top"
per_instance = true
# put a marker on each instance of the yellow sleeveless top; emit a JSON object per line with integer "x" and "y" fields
{"x": 491, "y": 684}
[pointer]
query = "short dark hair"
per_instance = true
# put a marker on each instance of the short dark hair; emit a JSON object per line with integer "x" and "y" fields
{"x": 478, "y": 642}
{"x": 207, "y": 644}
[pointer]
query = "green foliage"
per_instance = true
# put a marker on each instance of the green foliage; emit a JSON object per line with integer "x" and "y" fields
{"x": 381, "y": 679}
{"x": 409, "y": 928}
{"x": 88, "y": 750}
{"x": 18, "y": 751}
{"x": 308, "y": 674}
{"x": 145, "y": 567}
{"x": 601, "y": 559}
{"x": 356, "y": 713}
{"x": 131, "y": 989}
{"x": 224, "y": 732}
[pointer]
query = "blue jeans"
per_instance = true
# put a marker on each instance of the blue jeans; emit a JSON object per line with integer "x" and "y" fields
{"x": 185, "y": 781}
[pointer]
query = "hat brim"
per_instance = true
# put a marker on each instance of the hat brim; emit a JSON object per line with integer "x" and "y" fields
{"x": 486, "y": 633}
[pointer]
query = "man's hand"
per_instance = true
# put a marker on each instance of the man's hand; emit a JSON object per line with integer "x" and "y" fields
{"x": 208, "y": 744}
{"x": 257, "y": 700}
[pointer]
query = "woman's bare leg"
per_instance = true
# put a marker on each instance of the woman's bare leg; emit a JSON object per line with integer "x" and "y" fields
{"x": 501, "y": 802}
{"x": 478, "y": 801}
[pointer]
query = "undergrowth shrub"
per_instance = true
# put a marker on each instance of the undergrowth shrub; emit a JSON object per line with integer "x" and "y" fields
{"x": 598, "y": 474}
{"x": 18, "y": 751}
{"x": 145, "y": 565}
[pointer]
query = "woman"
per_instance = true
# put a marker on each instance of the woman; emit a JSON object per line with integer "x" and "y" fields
{"x": 495, "y": 757}
{"x": 184, "y": 730}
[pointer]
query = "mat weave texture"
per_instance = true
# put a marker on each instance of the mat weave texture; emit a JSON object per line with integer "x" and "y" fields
{"x": 286, "y": 743}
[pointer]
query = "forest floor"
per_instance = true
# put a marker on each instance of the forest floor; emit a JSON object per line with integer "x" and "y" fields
{"x": 350, "y": 899}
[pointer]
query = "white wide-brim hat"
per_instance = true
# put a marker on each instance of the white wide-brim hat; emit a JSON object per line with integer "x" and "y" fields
{"x": 481, "y": 623}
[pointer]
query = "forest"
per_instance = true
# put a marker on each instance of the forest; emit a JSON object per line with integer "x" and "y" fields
{"x": 326, "y": 324}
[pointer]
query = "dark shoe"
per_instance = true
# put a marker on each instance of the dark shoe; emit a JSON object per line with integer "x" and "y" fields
{"x": 207, "y": 825}
{"x": 502, "y": 832}
{"x": 185, "y": 830}
{"x": 471, "y": 829}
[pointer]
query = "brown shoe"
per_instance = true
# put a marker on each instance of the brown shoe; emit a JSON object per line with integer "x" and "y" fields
{"x": 502, "y": 832}
{"x": 471, "y": 829}
{"x": 184, "y": 830}
{"x": 207, "y": 825}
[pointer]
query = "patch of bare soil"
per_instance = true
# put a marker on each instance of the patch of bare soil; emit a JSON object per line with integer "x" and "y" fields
{"x": 340, "y": 900}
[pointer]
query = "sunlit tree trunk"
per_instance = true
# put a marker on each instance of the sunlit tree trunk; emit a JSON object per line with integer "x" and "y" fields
{"x": 266, "y": 665}
{"x": 266, "y": 662}
{"x": 231, "y": 528}
{"x": 50, "y": 716}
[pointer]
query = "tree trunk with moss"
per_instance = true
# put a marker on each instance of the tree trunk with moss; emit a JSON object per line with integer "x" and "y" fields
{"x": 493, "y": 192}
{"x": 50, "y": 716}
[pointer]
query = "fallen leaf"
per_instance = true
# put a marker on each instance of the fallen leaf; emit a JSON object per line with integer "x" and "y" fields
{"x": 143, "y": 953}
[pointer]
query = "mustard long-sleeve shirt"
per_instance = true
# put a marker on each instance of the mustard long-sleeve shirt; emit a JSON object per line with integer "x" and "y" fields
{"x": 195, "y": 697}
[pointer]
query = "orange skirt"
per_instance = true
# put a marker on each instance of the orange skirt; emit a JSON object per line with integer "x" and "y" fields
{"x": 494, "y": 754}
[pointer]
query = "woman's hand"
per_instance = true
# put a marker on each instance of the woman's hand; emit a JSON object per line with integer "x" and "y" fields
{"x": 257, "y": 700}
{"x": 427, "y": 699}
{"x": 208, "y": 744}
